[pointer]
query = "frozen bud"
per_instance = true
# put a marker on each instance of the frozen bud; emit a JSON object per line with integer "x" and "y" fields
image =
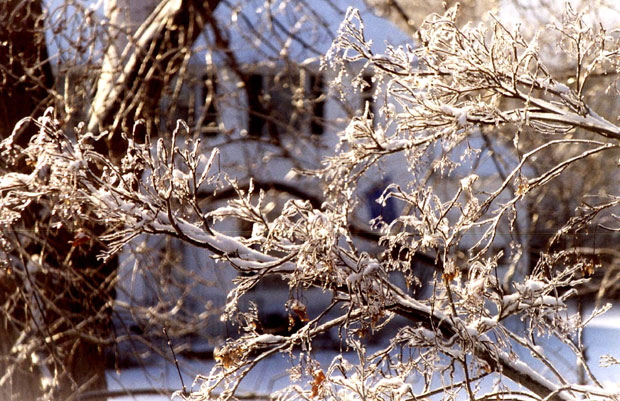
{"x": 467, "y": 182}
{"x": 372, "y": 267}
{"x": 44, "y": 173}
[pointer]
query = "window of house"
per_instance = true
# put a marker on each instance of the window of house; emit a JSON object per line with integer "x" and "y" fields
{"x": 387, "y": 212}
{"x": 285, "y": 102}
{"x": 257, "y": 110}
{"x": 317, "y": 100}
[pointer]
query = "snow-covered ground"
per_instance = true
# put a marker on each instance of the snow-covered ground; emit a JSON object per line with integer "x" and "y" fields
{"x": 268, "y": 376}
{"x": 602, "y": 338}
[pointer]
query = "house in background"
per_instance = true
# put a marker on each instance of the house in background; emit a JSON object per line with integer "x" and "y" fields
{"x": 277, "y": 116}
{"x": 268, "y": 115}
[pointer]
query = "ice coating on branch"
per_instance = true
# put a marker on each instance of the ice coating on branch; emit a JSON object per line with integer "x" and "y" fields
{"x": 459, "y": 113}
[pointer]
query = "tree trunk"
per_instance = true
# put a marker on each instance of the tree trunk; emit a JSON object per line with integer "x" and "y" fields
{"x": 25, "y": 72}
{"x": 55, "y": 303}
{"x": 131, "y": 87}
{"x": 66, "y": 308}
{"x": 25, "y": 76}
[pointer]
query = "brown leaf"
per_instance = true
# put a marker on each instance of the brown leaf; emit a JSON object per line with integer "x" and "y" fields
{"x": 300, "y": 310}
{"x": 451, "y": 275}
{"x": 80, "y": 238}
{"x": 317, "y": 383}
{"x": 588, "y": 268}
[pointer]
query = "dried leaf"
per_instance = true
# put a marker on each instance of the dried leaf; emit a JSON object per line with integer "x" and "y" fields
{"x": 300, "y": 310}
{"x": 317, "y": 382}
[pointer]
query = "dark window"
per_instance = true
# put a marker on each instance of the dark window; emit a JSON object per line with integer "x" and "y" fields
{"x": 283, "y": 100}
{"x": 388, "y": 212}
{"x": 285, "y": 103}
{"x": 256, "y": 107}
{"x": 317, "y": 97}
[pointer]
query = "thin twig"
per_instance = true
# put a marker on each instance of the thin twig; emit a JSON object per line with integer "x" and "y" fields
{"x": 176, "y": 362}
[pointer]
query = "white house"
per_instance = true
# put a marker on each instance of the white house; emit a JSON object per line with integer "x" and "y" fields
{"x": 270, "y": 116}
{"x": 279, "y": 115}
